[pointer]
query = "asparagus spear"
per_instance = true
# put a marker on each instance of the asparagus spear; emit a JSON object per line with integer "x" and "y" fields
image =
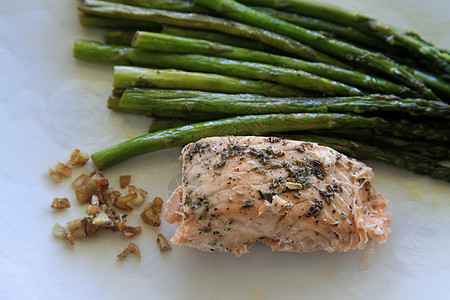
{"x": 113, "y": 104}
{"x": 420, "y": 147}
{"x": 243, "y": 125}
{"x": 175, "y": 5}
{"x": 436, "y": 81}
{"x": 347, "y": 33}
{"x": 429, "y": 130}
{"x": 89, "y": 20}
{"x": 412, "y": 34}
{"x": 116, "y": 37}
{"x": 388, "y": 34}
{"x": 198, "y": 45}
{"x": 437, "y": 84}
{"x": 352, "y": 35}
{"x": 169, "y": 43}
{"x": 199, "y": 63}
{"x": 218, "y": 37}
{"x": 352, "y": 148}
{"x": 385, "y": 141}
{"x": 375, "y": 61}
{"x": 181, "y": 106}
{"x": 166, "y": 123}
{"x": 199, "y": 21}
{"x": 216, "y": 105}
{"x": 118, "y": 23}
{"x": 125, "y": 77}
{"x": 214, "y": 109}
{"x": 418, "y": 165}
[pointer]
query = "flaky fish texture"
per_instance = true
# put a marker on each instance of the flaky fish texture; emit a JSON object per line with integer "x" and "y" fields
{"x": 291, "y": 195}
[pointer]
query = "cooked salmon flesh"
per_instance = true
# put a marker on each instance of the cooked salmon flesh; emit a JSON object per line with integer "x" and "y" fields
{"x": 291, "y": 195}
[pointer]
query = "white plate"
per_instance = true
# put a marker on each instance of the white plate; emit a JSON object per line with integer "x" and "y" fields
{"x": 51, "y": 104}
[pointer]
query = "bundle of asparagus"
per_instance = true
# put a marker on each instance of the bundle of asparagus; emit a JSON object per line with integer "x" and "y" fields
{"x": 290, "y": 68}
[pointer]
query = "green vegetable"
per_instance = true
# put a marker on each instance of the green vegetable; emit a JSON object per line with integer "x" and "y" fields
{"x": 113, "y": 104}
{"x": 270, "y": 76}
{"x": 437, "y": 84}
{"x": 243, "y": 125}
{"x": 125, "y": 77}
{"x": 375, "y": 61}
{"x": 175, "y": 5}
{"x": 419, "y": 146}
{"x": 89, "y": 20}
{"x": 407, "y": 40}
{"x": 199, "y": 21}
{"x": 166, "y": 123}
{"x": 216, "y": 105}
{"x": 385, "y": 141}
{"x": 328, "y": 28}
{"x": 190, "y": 105}
{"x": 120, "y": 55}
{"x": 218, "y": 37}
{"x": 116, "y": 37}
{"x": 175, "y": 44}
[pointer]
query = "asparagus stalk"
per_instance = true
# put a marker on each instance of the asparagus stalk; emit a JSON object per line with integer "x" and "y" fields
{"x": 350, "y": 34}
{"x": 388, "y": 34}
{"x": 125, "y": 77}
{"x": 116, "y": 37}
{"x": 89, "y": 20}
{"x": 360, "y": 56}
{"x": 420, "y": 147}
{"x": 243, "y": 125}
{"x": 199, "y": 21}
{"x": 437, "y": 84}
{"x": 218, "y": 37}
{"x": 412, "y": 34}
{"x": 352, "y": 148}
{"x": 216, "y": 105}
{"x": 198, "y": 45}
{"x": 214, "y": 109}
{"x": 199, "y": 63}
{"x": 418, "y": 165}
{"x": 175, "y": 5}
{"x": 166, "y": 123}
{"x": 347, "y": 33}
{"x": 429, "y": 131}
{"x": 113, "y": 104}
{"x": 385, "y": 141}
{"x": 179, "y": 105}
{"x": 169, "y": 43}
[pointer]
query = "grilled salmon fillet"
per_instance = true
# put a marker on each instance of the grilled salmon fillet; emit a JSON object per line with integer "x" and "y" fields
{"x": 291, "y": 195}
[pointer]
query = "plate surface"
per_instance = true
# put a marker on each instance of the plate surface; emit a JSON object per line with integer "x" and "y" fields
{"x": 51, "y": 104}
